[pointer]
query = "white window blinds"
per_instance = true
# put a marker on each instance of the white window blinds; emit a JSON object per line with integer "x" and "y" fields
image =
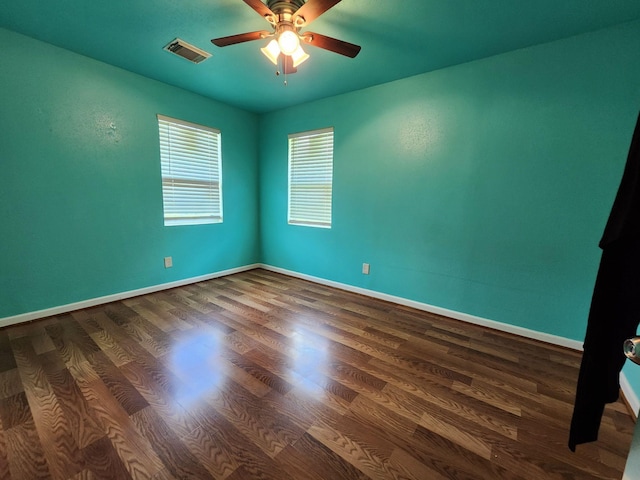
{"x": 190, "y": 156}
{"x": 311, "y": 178}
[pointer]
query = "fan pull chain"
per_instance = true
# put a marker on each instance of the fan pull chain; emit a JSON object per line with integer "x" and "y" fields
{"x": 281, "y": 60}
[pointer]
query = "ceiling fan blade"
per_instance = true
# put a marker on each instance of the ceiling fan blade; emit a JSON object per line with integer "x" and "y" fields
{"x": 240, "y": 38}
{"x": 259, "y": 7}
{"x": 313, "y": 9}
{"x": 332, "y": 44}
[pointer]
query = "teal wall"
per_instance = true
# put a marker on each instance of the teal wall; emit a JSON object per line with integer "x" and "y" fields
{"x": 481, "y": 188}
{"x": 81, "y": 199}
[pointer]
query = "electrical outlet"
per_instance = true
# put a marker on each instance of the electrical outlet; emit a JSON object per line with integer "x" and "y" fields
{"x": 168, "y": 262}
{"x": 365, "y": 268}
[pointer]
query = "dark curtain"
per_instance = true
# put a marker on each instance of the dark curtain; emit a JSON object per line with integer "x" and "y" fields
{"x": 615, "y": 306}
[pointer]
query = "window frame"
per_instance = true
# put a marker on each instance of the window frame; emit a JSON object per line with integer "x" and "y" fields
{"x": 203, "y": 171}
{"x": 319, "y": 210}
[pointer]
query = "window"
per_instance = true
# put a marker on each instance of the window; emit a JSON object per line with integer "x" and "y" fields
{"x": 310, "y": 178}
{"x": 190, "y": 156}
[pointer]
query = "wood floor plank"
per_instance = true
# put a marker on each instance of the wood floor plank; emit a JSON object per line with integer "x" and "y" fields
{"x": 176, "y": 457}
{"x": 102, "y": 461}
{"x": 131, "y": 447}
{"x": 25, "y": 456}
{"x": 83, "y": 426}
{"x": 310, "y": 459}
{"x": 249, "y": 459}
{"x": 10, "y": 382}
{"x": 14, "y": 411}
{"x": 58, "y": 444}
{"x": 457, "y": 435}
{"x": 125, "y": 394}
{"x": 453, "y": 460}
{"x": 448, "y": 400}
{"x": 364, "y": 453}
{"x": 213, "y": 454}
{"x": 7, "y": 360}
{"x": 159, "y": 390}
{"x": 4, "y": 461}
{"x": 258, "y": 375}
{"x": 488, "y": 396}
{"x": 41, "y": 341}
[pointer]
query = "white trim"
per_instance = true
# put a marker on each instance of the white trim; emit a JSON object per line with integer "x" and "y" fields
{"x": 504, "y": 327}
{"x": 92, "y": 302}
{"x": 317, "y": 131}
{"x": 197, "y": 126}
{"x": 629, "y": 395}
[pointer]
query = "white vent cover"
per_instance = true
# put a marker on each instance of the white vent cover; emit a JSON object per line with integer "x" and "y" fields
{"x": 186, "y": 50}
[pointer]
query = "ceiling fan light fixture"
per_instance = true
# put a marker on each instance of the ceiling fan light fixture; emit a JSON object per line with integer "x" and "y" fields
{"x": 288, "y": 17}
{"x": 272, "y": 51}
{"x": 288, "y": 41}
{"x": 299, "y": 56}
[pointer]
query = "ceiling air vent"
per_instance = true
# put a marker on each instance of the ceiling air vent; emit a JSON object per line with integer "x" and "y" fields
{"x": 186, "y": 50}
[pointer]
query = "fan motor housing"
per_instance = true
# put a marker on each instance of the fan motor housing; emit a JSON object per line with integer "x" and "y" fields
{"x": 284, "y": 6}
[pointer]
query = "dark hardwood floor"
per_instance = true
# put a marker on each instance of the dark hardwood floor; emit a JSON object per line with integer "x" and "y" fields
{"x": 262, "y": 376}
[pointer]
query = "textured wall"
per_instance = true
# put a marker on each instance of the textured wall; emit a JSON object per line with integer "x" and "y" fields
{"x": 481, "y": 188}
{"x": 81, "y": 198}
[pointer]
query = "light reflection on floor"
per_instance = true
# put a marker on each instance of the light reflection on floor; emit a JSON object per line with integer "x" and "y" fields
{"x": 310, "y": 356}
{"x": 196, "y": 361}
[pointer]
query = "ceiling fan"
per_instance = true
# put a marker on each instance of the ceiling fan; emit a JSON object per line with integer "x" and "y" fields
{"x": 288, "y": 17}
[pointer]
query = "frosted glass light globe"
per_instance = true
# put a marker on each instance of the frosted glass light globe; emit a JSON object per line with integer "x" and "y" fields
{"x": 288, "y": 42}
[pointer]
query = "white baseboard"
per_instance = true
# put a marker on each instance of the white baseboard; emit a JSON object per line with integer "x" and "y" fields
{"x": 504, "y": 327}
{"x": 92, "y": 302}
{"x": 630, "y": 396}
